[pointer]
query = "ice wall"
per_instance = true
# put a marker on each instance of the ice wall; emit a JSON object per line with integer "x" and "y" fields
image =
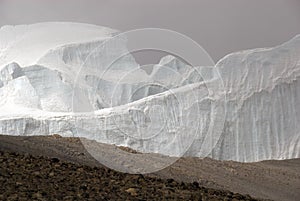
{"x": 263, "y": 104}
{"x": 172, "y": 111}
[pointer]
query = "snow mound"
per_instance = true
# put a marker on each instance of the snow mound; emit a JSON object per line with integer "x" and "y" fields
{"x": 26, "y": 44}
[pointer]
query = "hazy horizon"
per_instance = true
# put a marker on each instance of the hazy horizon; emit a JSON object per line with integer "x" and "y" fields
{"x": 219, "y": 27}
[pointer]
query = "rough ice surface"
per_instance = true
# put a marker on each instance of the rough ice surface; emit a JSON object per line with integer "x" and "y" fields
{"x": 55, "y": 81}
{"x": 263, "y": 97}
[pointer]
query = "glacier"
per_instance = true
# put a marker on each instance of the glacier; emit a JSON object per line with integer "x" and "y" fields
{"x": 170, "y": 111}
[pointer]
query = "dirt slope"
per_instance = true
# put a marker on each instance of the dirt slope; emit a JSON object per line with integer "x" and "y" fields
{"x": 276, "y": 180}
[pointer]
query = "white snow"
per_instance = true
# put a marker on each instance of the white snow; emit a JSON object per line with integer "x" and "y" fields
{"x": 26, "y": 44}
{"x": 48, "y": 71}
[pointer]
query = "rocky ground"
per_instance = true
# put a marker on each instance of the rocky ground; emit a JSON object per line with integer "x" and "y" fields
{"x": 24, "y": 177}
{"x": 56, "y": 168}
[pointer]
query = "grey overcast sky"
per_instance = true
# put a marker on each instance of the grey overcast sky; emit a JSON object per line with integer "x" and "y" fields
{"x": 220, "y": 26}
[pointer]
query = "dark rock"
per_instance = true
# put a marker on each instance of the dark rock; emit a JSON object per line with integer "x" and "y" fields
{"x": 39, "y": 178}
{"x": 54, "y": 160}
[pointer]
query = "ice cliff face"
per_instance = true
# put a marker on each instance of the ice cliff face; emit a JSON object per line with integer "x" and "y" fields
{"x": 47, "y": 75}
{"x": 263, "y": 96}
